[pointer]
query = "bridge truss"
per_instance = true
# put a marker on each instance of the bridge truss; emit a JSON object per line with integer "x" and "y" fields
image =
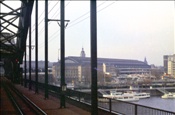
{"x": 14, "y": 25}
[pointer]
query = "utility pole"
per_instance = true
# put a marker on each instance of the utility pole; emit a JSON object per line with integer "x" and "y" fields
{"x": 36, "y": 48}
{"x": 62, "y": 60}
{"x": 93, "y": 30}
{"x": 30, "y": 48}
{"x": 63, "y": 85}
{"x": 25, "y": 67}
{"x": 46, "y": 49}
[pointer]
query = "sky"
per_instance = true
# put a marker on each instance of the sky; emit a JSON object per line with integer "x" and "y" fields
{"x": 125, "y": 30}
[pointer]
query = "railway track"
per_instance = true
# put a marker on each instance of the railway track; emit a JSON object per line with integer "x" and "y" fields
{"x": 21, "y": 103}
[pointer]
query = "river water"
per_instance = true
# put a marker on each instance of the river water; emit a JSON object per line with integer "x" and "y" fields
{"x": 158, "y": 102}
{"x": 154, "y": 102}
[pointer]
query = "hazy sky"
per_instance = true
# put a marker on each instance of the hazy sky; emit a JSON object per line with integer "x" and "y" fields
{"x": 125, "y": 29}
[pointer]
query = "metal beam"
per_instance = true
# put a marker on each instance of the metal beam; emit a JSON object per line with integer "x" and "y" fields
{"x": 24, "y": 25}
{"x": 46, "y": 49}
{"x": 13, "y": 19}
{"x": 93, "y": 27}
{"x": 10, "y": 8}
{"x": 10, "y": 23}
{"x": 25, "y": 67}
{"x": 62, "y": 104}
{"x": 11, "y": 12}
{"x": 36, "y": 47}
{"x": 8, "y": 48}
{"x": 7, "y": 29}
{"x": 30, "y": 48}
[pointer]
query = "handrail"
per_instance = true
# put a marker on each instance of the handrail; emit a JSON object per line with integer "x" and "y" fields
{"x": 76, "y": 95}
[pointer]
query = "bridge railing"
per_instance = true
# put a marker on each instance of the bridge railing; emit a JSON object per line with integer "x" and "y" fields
{"x": 127, "y": 108}
{"x": 110, "y": 105}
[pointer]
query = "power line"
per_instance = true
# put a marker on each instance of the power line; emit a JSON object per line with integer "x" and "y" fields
{"x": 43, "y": 18}
{"x": 82, "y": 19}
{"x": 39, "y": 18}
{"x": 89, "y": 16}
{"x": 49, "y": 23}
{"x": 41, "y": 45}
{"x": 85, "y": 13}
{"x": 39, "y": 22}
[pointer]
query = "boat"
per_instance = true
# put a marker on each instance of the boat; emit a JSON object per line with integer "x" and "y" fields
{"x": 168, "y": 95}
{"x": 125, "y": 97}
{"x": 113, "y": 94}
{"x": 139, "y": 94}
{"x": 118, "y": 96}
{"x": 105, "y": 95}
{"x": 103, "y": 100}
{"x": 142, "y": 95}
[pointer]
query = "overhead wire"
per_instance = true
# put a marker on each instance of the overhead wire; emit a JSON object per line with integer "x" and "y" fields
{"x": 77, "y": 19}
{"x": 89, "y": 16}
{"x": 80, "y": 20}
{"x": 39, "y": 18}
{"x": 39, "y": 22}
{"x": 85, "y": 13}
{"x": 42, "y": 30}
{"x": 39, "y": 33}
{"x": 42, "y": 44}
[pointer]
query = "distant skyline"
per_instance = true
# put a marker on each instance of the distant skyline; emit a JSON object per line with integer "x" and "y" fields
{"x": 125, "y": 30}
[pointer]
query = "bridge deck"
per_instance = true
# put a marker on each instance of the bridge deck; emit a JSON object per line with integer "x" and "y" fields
{"x": 51, "y": 106}
{"x": 6, "y": 105}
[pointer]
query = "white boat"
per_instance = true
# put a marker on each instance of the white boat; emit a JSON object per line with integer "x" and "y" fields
{"x": 139, "y": 94}
{"x": 115, "y": 93}
{"x": 168, "y": 95}
{"x": 103, "y": 100}
{"x": 120, "y": 96}
{"x": 125, "y": 97}
{"x": 106, "y": 95}
{"x": 111, "y": 95}
{"x": 142, "y": 95}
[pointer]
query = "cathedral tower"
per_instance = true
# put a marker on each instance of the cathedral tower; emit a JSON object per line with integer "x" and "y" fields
{"x": 82, "y": 54}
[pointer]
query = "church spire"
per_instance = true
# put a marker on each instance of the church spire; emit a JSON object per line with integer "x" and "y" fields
{"x": 82, "y": 54}
{"x": 145, "y": 61}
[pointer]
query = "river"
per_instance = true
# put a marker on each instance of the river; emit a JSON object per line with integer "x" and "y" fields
{"x": 154, "y": 102}
{"x": 158, "y": 102}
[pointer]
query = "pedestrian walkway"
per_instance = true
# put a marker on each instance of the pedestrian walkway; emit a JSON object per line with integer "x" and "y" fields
{"x": 52, "y": 105}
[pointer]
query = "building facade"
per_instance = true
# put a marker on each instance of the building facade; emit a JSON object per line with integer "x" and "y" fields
{"x": 165, "y": 63}
{"x": 169, "y": 65}
{"x": 78, "y": 68}
{"x": 41, "y": 65}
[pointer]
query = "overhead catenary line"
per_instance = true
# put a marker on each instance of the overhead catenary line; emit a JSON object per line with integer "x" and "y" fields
{"x": 42, "y": 30}
{"x": 89, "y": 16}
{"x": 42, "y": 44}
{"x": 78, "y": 21}
{"x": 85, "y": 14}
{"x": 39, "y": 18}
{"x": 43, "y": 18}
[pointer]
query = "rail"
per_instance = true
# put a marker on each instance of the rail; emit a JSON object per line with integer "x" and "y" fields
{"x": 15, "y": 104}
{"x": 10, "y": 89}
